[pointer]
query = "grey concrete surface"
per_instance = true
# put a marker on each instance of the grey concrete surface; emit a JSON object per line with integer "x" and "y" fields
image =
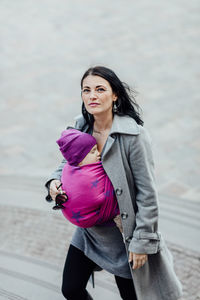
{"x": 45, "y": 48}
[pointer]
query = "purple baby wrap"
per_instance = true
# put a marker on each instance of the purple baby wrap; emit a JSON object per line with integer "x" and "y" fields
{"x": 91, "y": 198}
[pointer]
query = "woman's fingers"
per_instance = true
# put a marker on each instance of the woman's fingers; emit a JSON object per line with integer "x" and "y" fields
{"x": 55, "y": 188}
{"x": 130, "y": 259}
{"x": 138, "y": 260}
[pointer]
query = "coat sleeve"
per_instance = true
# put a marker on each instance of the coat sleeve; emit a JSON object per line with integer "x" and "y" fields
{"x": 145, "y": 236}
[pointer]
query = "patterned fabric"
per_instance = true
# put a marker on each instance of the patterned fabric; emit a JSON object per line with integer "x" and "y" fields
{"x": 91, "y": 198}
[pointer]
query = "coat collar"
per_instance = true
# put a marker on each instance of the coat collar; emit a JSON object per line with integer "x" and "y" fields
{"x": 121, "y": 124}
{"x": 124, "y": 124}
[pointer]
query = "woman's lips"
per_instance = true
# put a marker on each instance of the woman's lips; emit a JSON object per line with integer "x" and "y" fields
{"x": 93, "y": 104}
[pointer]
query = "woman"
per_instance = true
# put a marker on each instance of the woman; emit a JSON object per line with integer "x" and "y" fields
{"x": 140, "y": 261}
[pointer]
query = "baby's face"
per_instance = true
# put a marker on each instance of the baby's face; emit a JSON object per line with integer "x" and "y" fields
{"x": 92, "y": 157}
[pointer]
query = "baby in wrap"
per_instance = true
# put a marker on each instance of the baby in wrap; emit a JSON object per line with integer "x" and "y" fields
{"x": 91, "y": 197}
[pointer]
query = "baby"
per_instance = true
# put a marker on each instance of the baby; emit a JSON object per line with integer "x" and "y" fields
{"x": 90, "y": 195}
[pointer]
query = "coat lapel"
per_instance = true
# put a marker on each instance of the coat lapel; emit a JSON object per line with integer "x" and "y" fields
{"x": 125, "y": 125}
{"x": 108, "y": 146}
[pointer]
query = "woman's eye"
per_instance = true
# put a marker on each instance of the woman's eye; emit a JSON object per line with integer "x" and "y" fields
{"x": 100, "y": 90}
{"x": 85, "y": 90}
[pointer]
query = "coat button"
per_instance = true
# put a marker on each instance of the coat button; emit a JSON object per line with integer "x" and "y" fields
{"x": 118, "y": 191}
{"x": 124, "y": 215}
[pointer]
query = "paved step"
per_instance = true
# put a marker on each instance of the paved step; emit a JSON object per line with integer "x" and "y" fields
{"x": 25, "y": 278}
{"x": 181, "y": 215}
{"x": 180, "y": 222}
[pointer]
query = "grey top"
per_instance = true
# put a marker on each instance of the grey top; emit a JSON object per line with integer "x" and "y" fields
{"x": 104, "y": 245}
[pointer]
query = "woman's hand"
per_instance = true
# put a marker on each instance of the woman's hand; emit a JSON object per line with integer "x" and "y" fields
{"x": 137, "y": 259}
{"x": 55, "y": 188}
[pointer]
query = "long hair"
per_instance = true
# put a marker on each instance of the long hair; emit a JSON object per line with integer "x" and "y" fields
{"x": 126, "y": 103}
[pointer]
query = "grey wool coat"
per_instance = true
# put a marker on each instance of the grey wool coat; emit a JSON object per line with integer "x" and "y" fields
{"x": 128, "y": 162}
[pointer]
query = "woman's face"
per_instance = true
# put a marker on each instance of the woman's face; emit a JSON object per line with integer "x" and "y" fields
{"x": 97, "y": 95}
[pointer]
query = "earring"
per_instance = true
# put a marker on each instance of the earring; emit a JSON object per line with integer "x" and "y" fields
{"x": 115, "y": 107}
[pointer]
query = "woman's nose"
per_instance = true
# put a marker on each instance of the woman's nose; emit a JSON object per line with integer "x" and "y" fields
{"x": 93, "y": 95}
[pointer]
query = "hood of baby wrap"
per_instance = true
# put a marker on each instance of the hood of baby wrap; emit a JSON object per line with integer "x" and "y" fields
{"x": 91, "y": 198}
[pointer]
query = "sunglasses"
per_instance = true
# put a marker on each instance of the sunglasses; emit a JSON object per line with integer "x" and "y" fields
{"x": 59, "y": 200}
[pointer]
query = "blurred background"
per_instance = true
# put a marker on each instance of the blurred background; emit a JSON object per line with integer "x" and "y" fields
{"x": 45, "y": 47}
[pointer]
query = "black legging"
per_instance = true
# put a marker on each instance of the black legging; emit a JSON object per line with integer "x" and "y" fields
{"x": 77, "y": 270}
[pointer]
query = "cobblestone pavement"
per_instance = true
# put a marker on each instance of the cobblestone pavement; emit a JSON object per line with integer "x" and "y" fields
{"x": 45, "y": 48}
